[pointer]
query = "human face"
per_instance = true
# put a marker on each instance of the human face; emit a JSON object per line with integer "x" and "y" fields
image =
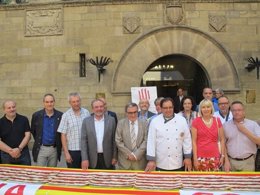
{"x": 105, "y": 103}
{"x": 238, "y": 112}
{"x": 180, "y": 92}
{"x": 167, "y": 109}
{"x": 187, "y": 105}
{"x": 207, "y": 93}
{"x": 131, "y": 113}
{"x": 75, "y": 103}
{"x": 206, "y": 110}
{"x": 98, "y": 109}
{"x": 144, "y": 105}
{"x": 223, "y": 105}
{"x": 218, "y": 94}
{"x": 48, "y": 103}
{"x": 10, "y": 109}
{"x": 158, "y": 107}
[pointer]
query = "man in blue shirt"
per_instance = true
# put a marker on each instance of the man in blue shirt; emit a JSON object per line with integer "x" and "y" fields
{"x": 44, "y": 125}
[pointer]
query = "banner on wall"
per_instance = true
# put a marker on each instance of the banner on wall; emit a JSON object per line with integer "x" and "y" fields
{"x": 149, "y": 93}
{"x": 18, "y": 188}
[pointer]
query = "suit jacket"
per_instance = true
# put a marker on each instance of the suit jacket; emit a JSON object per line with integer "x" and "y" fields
{"x": 89, "y": 141}
{"x": 124, "y": 145}
{"x": 37, "y": 130}
{"x": 113, "y": 114}
{"x": 177, "y": 104}
{"x": 149, "y": 114}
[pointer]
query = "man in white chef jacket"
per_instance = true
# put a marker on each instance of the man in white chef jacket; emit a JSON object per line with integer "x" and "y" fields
{"x": 168, "y": 141}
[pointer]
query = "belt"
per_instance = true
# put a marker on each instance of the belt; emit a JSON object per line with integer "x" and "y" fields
{"x": 241, "y": 159}
{"x": 49, "y": 145}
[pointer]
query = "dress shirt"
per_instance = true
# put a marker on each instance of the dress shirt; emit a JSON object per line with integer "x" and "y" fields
{"x": 48, "y": 133}
{"x": 238, "y": 144}
{"x": 99, "y": 128}
{"x": 223, "y": 119}
{"x": 71, "y": 126}
{"x": 168, "y": 141}
{"x": 135, "y": 125}
{"x": 143, "y": 117}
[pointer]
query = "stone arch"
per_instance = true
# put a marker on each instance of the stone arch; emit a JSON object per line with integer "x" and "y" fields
{"x": 168, "y": 40}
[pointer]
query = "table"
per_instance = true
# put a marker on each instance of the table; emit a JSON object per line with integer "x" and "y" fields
{"x": 46, "y": 178}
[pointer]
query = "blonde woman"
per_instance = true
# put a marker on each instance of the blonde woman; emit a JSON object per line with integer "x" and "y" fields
{"x": 206, "y": 132}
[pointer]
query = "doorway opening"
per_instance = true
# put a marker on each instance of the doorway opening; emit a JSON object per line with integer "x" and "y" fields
{"x": 171, "y": 72}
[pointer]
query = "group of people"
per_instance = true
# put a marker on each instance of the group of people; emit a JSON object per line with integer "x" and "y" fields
{"x": 213, "y": 136}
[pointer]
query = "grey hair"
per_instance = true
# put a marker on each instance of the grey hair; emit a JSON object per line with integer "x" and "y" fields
{"x": 130, "y": 105}
{"x": 73, "y": 94}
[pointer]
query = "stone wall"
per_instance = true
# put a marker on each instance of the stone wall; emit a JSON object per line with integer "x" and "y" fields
{"x": 41, "y": 43}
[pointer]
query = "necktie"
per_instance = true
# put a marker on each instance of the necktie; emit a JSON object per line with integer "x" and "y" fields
{"x": 133, "y": 136}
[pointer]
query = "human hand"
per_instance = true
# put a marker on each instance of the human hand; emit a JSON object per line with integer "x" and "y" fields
{"x": 151, "y": 165}
{"x": 85, "y": 164}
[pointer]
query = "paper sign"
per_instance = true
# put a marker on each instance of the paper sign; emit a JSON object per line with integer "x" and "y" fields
{"x": 18, "y": 188}
{"x": 149, "y": 93}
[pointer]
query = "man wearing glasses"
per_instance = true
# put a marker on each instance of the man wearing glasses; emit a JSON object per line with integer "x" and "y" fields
{"x": 224, "y": 112}
{"x": 131, "y": 139}
{"x": 168, "y": 141}
{"x": 242, "y": 137}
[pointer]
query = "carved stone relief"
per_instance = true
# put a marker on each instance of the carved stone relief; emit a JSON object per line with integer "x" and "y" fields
{"x": 174, "y": 14}
{"x": 44, "y": 22}
{"x": 217, "y": 23}
{"x": 131, "y": 24}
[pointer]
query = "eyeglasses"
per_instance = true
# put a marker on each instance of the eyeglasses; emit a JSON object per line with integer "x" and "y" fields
{"x": 132, "y": 112}
{"x": 167, "y": 108}
{"x": 224, "y": 103}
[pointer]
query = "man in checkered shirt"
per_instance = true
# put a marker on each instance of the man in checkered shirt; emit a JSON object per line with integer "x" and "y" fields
{"x": 70, "y": 129}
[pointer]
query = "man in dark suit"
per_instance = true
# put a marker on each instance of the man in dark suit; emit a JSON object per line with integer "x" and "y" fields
{"x": 98, "y": 148}
{"x": 177, "y": 100}
{"x": 47, "y": 145}
{"x": 131, "y": 138}
{"x": 144, "y": 112}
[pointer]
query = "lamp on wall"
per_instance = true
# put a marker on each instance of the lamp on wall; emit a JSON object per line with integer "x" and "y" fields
{"x": 253, "y": 63}
{"x": 100, "y": 64}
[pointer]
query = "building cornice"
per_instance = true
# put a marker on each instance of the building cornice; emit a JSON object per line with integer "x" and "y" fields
{"x": 72, "y": 3}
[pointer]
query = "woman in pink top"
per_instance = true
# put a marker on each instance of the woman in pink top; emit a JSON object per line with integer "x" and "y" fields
{"x": 206, "y": 132}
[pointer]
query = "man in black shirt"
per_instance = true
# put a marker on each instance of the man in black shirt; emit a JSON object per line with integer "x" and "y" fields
{"x": 15, "y": 135}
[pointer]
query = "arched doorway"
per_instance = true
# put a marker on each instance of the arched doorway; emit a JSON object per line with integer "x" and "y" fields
{"x": 171, "y": 72}
{"x": 192, "y": 43}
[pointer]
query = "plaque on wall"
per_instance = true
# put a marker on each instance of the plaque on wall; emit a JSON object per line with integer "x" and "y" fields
{"x": 44, "y": 22}
{"x": 250, "y": 96}
{"x": 100, "y": 95}
{"x": 217, "y": 23}
{"x": 131, "y": 24}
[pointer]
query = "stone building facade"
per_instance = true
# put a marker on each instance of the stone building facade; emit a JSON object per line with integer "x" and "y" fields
{"x": 46, "y": 46}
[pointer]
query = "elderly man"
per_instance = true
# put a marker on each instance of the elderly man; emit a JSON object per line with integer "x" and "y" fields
{"x": 242, "y": 135}
{"x": 168, "y": 139}
{"x": 15, "y": 135}
{"x": 131, "y": 138}
{"x": 70, "y": 129}
{"x": 224, "y": 112}
{"x": 47, "y": 141}
{"x": 218, "y": 93}
{"x": 144, "y": 112}
{"x": 98, "y": 147}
